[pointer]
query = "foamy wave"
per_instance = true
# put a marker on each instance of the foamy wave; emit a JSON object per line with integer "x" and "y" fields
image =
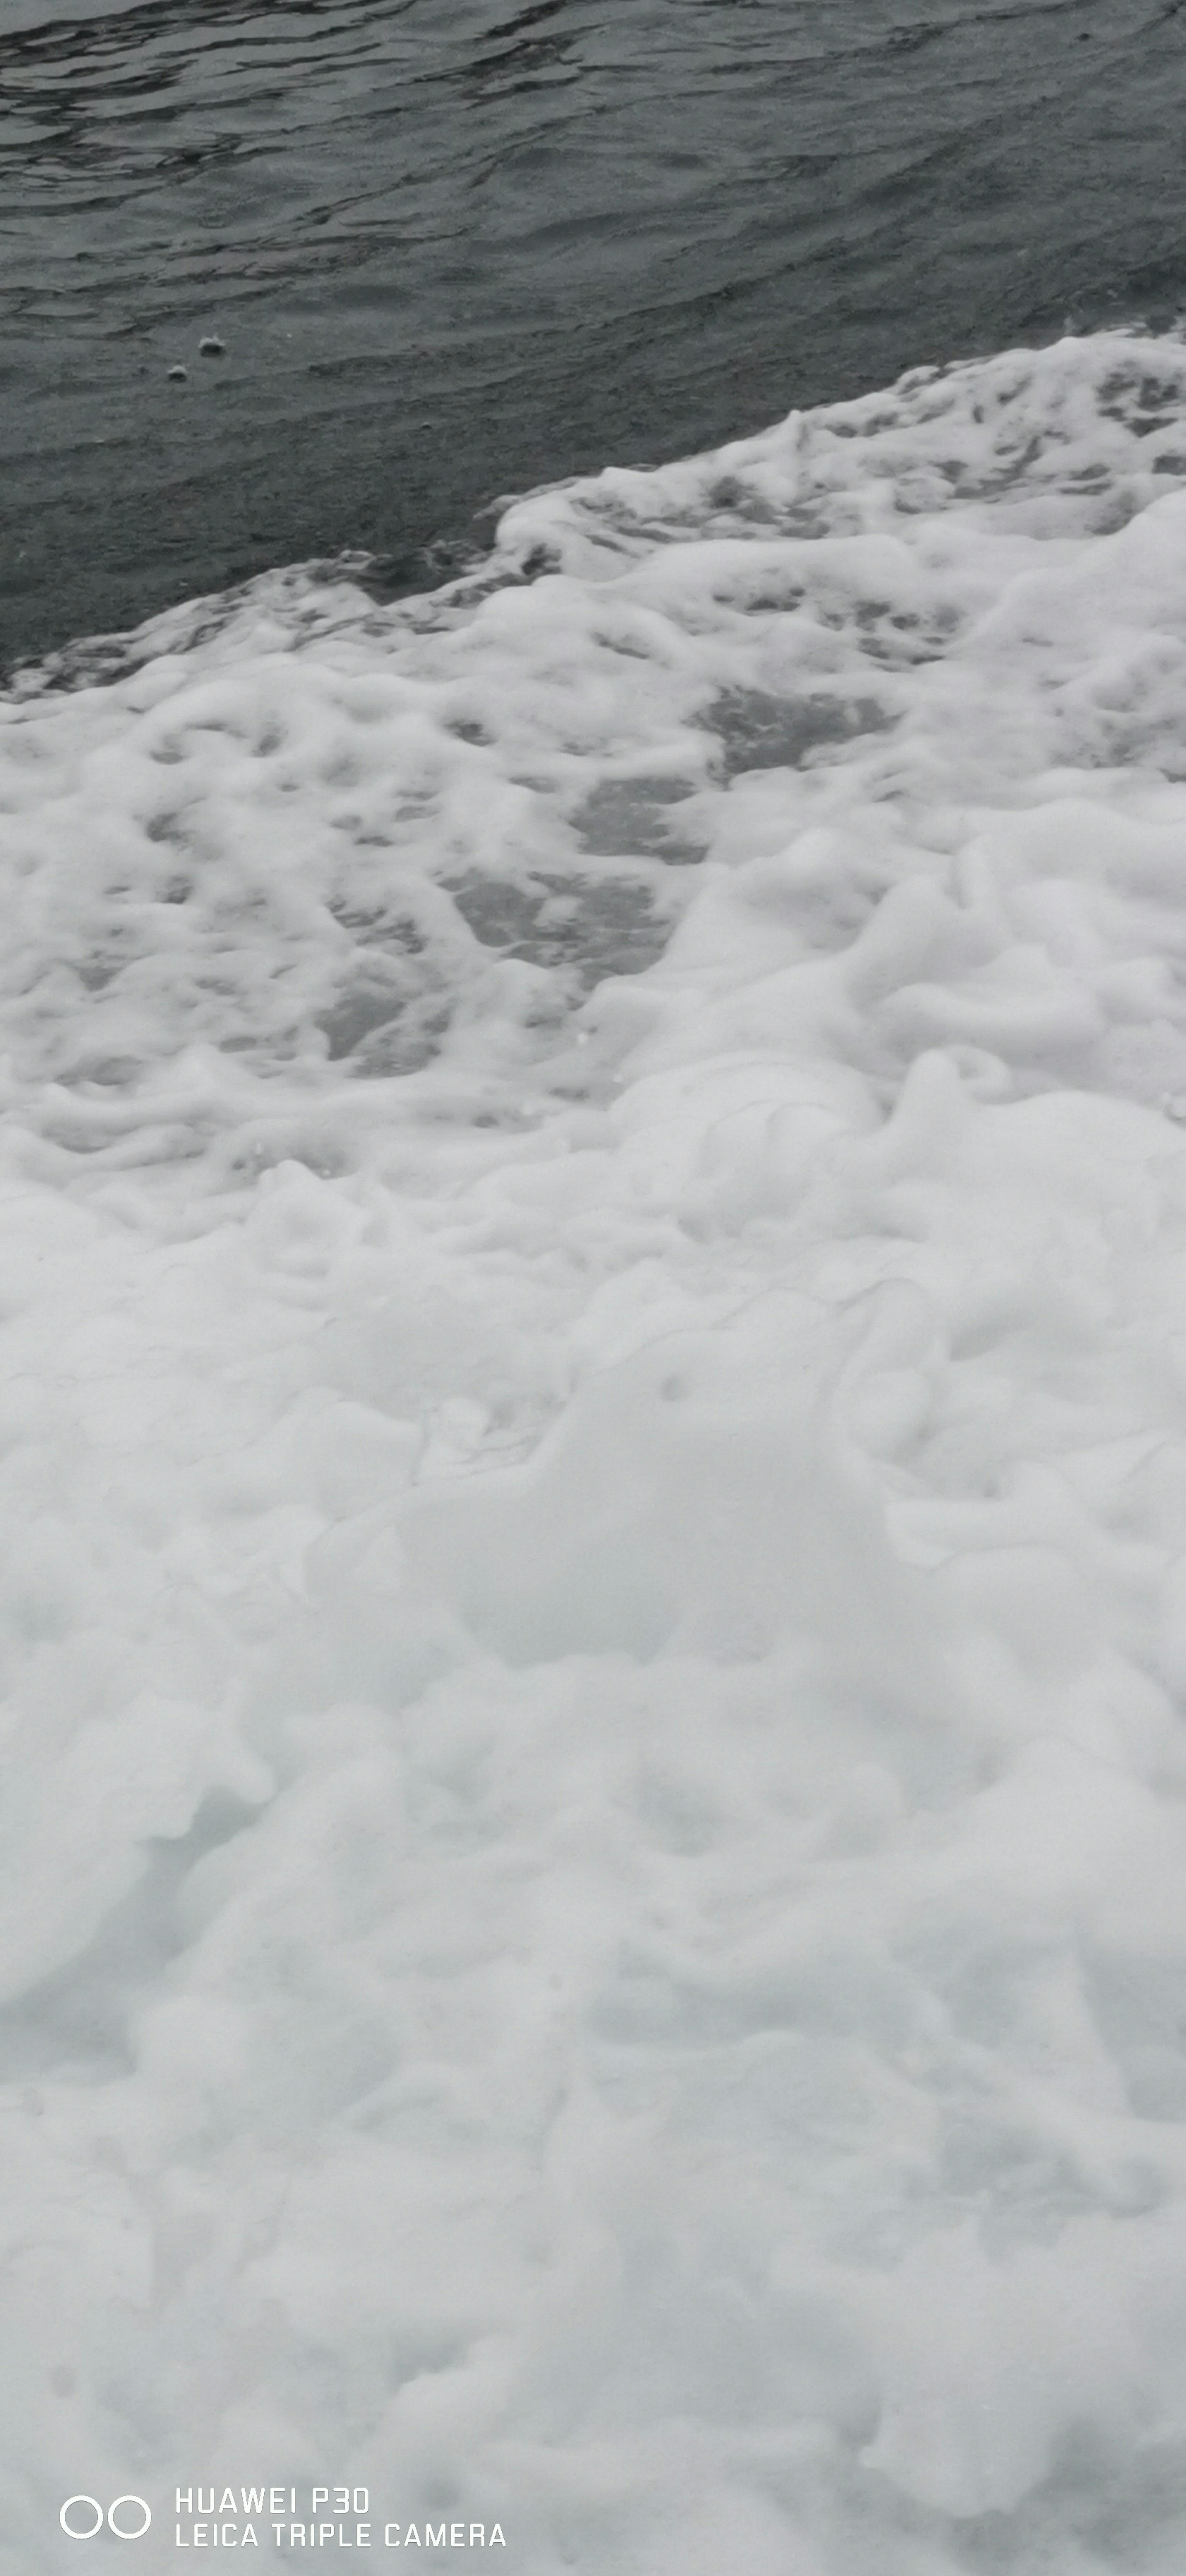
{"x": 593, "y": 1614}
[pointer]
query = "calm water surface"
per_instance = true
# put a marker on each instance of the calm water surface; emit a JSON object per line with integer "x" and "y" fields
{"x": 454, "y": 248}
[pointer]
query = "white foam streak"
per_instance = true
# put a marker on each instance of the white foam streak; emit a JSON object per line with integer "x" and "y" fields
{"x": 593, "y": 1455}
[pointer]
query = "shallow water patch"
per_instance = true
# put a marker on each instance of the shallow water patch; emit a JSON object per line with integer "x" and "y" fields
{"x": 593, "y": 926}
{"x": 757, "y": 730}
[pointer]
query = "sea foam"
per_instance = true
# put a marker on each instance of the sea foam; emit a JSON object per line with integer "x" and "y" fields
{"x": 593, "y": 1454}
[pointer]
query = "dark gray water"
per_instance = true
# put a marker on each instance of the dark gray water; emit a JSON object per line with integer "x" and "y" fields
{"x": 454, "y": 248}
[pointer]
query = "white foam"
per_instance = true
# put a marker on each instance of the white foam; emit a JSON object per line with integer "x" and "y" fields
{"x": 593, "y": 1611}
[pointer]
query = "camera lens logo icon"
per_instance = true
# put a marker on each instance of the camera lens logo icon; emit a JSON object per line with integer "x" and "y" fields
{"x": 82, "y": 2516}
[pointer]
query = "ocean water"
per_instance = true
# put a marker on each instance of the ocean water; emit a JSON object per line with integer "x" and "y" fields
{"x": 457, "y": 248}
{"x": 593, "y": 1454}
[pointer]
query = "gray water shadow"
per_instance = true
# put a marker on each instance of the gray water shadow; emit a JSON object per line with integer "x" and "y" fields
{"x": 392, "y": 1016}
{"x": 758, "y": 731}
{"x": 76, "y": 2021}
{"x": 597, "y": 926}
{"x": 1139, "y": 2008}
{"x": 380, "y": 1031}
{"x": 632, "y": 818}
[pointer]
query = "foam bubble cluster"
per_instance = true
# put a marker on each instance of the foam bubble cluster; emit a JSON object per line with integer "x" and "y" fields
{"x": 593, "y": 1459}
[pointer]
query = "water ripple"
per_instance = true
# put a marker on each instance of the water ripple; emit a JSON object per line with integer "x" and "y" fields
{"x": 452, "y": 253}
